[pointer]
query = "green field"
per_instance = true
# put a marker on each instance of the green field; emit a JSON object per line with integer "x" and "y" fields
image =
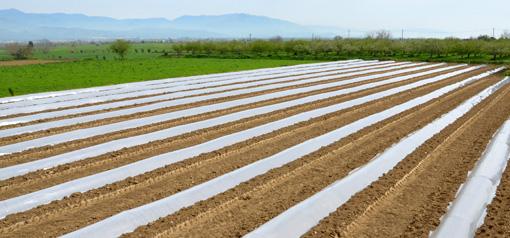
{"x": 98, "y": 51}
{"x": 89, "y": 73}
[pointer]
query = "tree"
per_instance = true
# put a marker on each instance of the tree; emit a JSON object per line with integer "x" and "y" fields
{"x": 383, "y": 35}
{"x": 45, "y": 46}
{"x": 505, "y": 35}
{"x": 485, "y": 38}
{"x": 120, "y": 47}
{"x": 19, "y": 51}
{"x": 379, "y": 35}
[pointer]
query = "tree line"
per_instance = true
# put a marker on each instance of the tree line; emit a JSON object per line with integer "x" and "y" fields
{"x": 377, "y": 45}
{"x": 370, "y": 47}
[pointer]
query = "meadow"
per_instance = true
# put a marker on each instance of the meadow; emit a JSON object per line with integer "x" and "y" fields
{"x": 92, "y": 51}
{"x": 89, "y": 73}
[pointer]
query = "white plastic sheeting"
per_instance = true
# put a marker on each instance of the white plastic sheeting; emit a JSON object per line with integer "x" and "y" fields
{"x": 148, "y": 90}
{"x": 302, "y": 217}
{"x": 468, "y": 210}
{"x": 37, "y": 96}
{"x": 154, "y": 90}
{"x": 130, "y": 92}
{"x": 182, "y": 101}
{"x": 100, "y": 130}
{"x": 47, "y": 195}
{"x": 129, "y": 220}
{"x": 20, "y": 169}
{"x": 171, "y": 93}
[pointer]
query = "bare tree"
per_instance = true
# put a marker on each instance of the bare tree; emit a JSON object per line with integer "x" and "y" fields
{"x": 276, "y": 39}
{"x": 379, "y": 35}
{"x": 505, "y": 35}
{"x": 19, "y": 51}
{"x": 45, "y": 46}
{"x": 383, "y": 35}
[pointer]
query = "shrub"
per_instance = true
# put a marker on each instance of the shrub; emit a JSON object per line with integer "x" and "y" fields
{"x": 120, "y": 47}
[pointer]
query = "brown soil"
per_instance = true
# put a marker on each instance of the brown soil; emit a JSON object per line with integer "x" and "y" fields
{"x": 83, "y": 209}
{"x": 240, "y": 210}
{"x": 46, "y": 151}
{"x": 9, "y": 63}
{"x": 45, "y": 178}
{"x": 151, "y": 95}
{"x": 409, "y": 200}
{"x": 497, "y": 221}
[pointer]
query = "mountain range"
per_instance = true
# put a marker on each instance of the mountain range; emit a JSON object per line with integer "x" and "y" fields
{"x": 16, "y": 25}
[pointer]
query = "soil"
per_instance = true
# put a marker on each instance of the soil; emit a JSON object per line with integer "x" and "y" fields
{"x": 46, "y": 151}
{"x": 9, "y": 63}
{"x": 497, "y": 221}
{"x": 408, "y": 201}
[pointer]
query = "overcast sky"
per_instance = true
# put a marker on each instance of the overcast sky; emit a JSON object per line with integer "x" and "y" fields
{"x": 455, "y": 16}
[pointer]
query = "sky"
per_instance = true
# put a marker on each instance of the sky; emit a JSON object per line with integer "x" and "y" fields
{"x": 455, "y": 17}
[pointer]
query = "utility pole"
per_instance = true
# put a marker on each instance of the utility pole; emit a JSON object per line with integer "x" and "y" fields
{"x": 493, "y": 33}
{"x": 402, "y": 38}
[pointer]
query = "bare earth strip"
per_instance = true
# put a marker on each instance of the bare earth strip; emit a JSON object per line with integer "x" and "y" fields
{"x": 410, "y": 199}
{"x": 41, "y": 179}
{"x": 250, "y": 204}
{"x": 26, "y": 62}
{"x": 497, "y": 221}
{"x": 52, "y": 131}
{"x": 46, "y": 151}
{"x": 152, "y": 95}
{"x": 82, "y": 209}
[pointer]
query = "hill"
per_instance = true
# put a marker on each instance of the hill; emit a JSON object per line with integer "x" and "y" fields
{"x": 20, "y": 26}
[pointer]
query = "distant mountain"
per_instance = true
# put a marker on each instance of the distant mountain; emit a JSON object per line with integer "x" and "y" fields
{"x": 19, "y": 26}
{"x": 242, "y": 25}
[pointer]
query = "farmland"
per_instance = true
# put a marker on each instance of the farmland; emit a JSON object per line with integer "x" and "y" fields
{"x": 348, "y": 148}
{"x": 89, "y": 73}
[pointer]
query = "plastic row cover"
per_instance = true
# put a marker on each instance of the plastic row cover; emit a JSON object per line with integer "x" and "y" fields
{"x": 169, "y": 93}
{"x": 136, "y": 84}
{"x": 131, "y": 92}
{"x": 88, "y": 132}
{"x": 44, "y": 196}
{"x": 129, "y": 220}
{"x": 160, "y": 117}
{"x": 164, "y": 104}
{"x": 162, "y": 100}
{"x": 111, "y": 146}
{"x": 302, "y": 217}
{"x": 467, "y": 212}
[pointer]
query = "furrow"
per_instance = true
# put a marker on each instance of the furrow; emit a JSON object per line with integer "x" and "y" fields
{"x": 309, "y": 212}
{"x": 409, "y": 95}
{"x": 121, "y": 127}
{"x": 497, "y": 219}
{"x": 39, "y": 96}
{"x": 158, "y": 93}
{"x": 466, "y": 213}
{"x": 32, "y": 181}
{"x": 93, "y": 108}
{"x": 410, "y": 199}
{"x": 264, "y": 197}
{"x": 229, "y": 180}
{"x": 196, "y": 99}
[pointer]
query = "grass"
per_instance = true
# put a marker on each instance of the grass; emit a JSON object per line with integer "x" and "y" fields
{"x": 89, "y": 73}
{"x": 101, "y": 51}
